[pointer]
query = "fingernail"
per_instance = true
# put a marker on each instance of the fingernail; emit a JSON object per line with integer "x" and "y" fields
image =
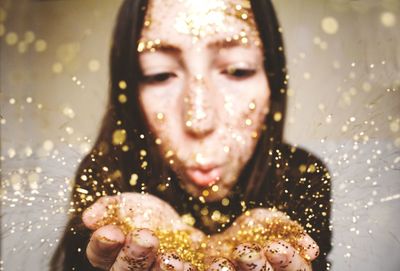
{"x": 143, "y": 242}
{"x": 189, "y": 267}
{"x": 219, "y": 264}
{"x": 170, "y": 261}
{"x": 247, "y": 252}
{"x": 277, "y": 253}
{"x": 105, "y": 242}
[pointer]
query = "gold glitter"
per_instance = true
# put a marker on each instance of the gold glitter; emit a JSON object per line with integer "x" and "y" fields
{"x": 160, "y": 116}
{"x": 205, "y": 193}
{"x": 203, "y": 18}
{"x": 277, "y": 116}
{"x": 248, "y": 122}
{"x": 204, "y": 211}
{"x": 29, "y": 36}
{"x": 22, "y": 47}
{"x": 148, "y": 45}
{"x": 11, "y": 38}
{"x": 122, "y": 98}
{"x": 57, "y": 67}
{"x": 141, "y": 47}
{"x": 311, "y": 168}
{"x": 169, "y": 154}
{"x": 40, "y": 46}
{"x": 388, "y": 19}
{"x": 252, "y": 106}
{"x": 302, "y": 168}
{"x": 82, "y": 191}
{"x": 143, "y": 153}
{"x": 330, "y": 25}
{"x": 188, "y": 219}
{"x": 125, "y": 148}
{"x": 260, "y": 232}
{"x": 158, "y": 141}
{"x": 225, "y": 201}
{"x": 216, "y": 215}
{"x": 48, "y": 145}
{"x": 119, "y": 137}
{"x": 215, "y": 188}
{"x": 133, "y": 179}
{"x": 122, "y": 85}
{"x": 94, "y": 65}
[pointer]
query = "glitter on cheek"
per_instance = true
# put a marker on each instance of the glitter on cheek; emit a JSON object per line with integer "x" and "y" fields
{"x": 160, "y": 117}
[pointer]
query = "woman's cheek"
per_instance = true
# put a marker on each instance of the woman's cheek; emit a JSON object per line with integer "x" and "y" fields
{"x": 244, "y": 126}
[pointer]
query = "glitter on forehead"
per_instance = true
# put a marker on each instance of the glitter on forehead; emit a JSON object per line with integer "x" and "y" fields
{"x": 202, "y": 18}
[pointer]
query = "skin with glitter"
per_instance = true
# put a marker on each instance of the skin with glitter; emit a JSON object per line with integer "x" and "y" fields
{"x": 205, "y": 95}
{"x": 253, "y": 240}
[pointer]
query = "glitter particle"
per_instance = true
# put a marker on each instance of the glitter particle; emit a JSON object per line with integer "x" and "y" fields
{"x": 329, "y": 25}
{"x": 119, "y": 137}
{"x": 388, "y": 19}
{"x": 11, "y": 38}
{"x": 122, "y": 85}
{"x": 40, "y": 45}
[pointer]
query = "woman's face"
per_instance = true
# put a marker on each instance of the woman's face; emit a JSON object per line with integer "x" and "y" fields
{"x": 204, "y": 90}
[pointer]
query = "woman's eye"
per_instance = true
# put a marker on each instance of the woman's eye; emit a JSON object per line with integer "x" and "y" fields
{"x": 157, "y": 78}
{"x": 239, "y": 73}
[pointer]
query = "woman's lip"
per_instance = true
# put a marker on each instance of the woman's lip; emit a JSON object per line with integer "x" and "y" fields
{"x": 204, "y": 176}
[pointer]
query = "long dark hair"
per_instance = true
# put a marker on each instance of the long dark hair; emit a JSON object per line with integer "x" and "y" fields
{"x": 108, "y": 168}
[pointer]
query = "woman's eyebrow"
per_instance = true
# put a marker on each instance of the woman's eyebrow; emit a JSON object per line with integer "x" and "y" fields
{"x": 160, "y": 46}
{"x": 226, "y": 44}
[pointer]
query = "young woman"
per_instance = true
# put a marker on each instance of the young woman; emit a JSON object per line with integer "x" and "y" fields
{"x": 195, "y": 118}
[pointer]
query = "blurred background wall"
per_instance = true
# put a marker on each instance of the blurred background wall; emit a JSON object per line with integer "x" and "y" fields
{"x": 344, "y": 105}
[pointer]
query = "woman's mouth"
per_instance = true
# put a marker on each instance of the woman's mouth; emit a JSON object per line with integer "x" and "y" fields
{"x": 204, "y": 175}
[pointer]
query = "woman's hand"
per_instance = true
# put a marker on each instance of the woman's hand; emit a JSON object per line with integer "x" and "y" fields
{"x": 276, "y": 255}
{"x": 123, "y": 233}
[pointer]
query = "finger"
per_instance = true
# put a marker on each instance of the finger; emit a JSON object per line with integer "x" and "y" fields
{"x": 138, "y": 253}
{"x": 249, "y": 257}
{"x": 221, "y": 264}
{"x": 283, "y": 257}
{"x": 189, "y": 267}
{"x": 97, "y": 212}
{"x": 104, "y": 246}
{"x": 311, "y": 249}
{"x": 168, "y": 261}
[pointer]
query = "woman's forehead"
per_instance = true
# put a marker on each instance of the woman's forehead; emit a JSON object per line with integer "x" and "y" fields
{"x": 199, "y": 20}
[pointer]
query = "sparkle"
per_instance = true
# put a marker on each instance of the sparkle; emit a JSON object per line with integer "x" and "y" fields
{"x": 119, "y": 137}
{"x": 122, "y": 98}
{"x": 122, "y": 85}
{"x": 329, "y": 25}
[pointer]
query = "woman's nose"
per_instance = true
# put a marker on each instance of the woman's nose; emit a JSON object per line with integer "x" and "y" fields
{"x": 198, "y": 107}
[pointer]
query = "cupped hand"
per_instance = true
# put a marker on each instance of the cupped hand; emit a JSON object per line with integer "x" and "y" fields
{"x": 256, "y": 254}
{"x": 123, "y": 233}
